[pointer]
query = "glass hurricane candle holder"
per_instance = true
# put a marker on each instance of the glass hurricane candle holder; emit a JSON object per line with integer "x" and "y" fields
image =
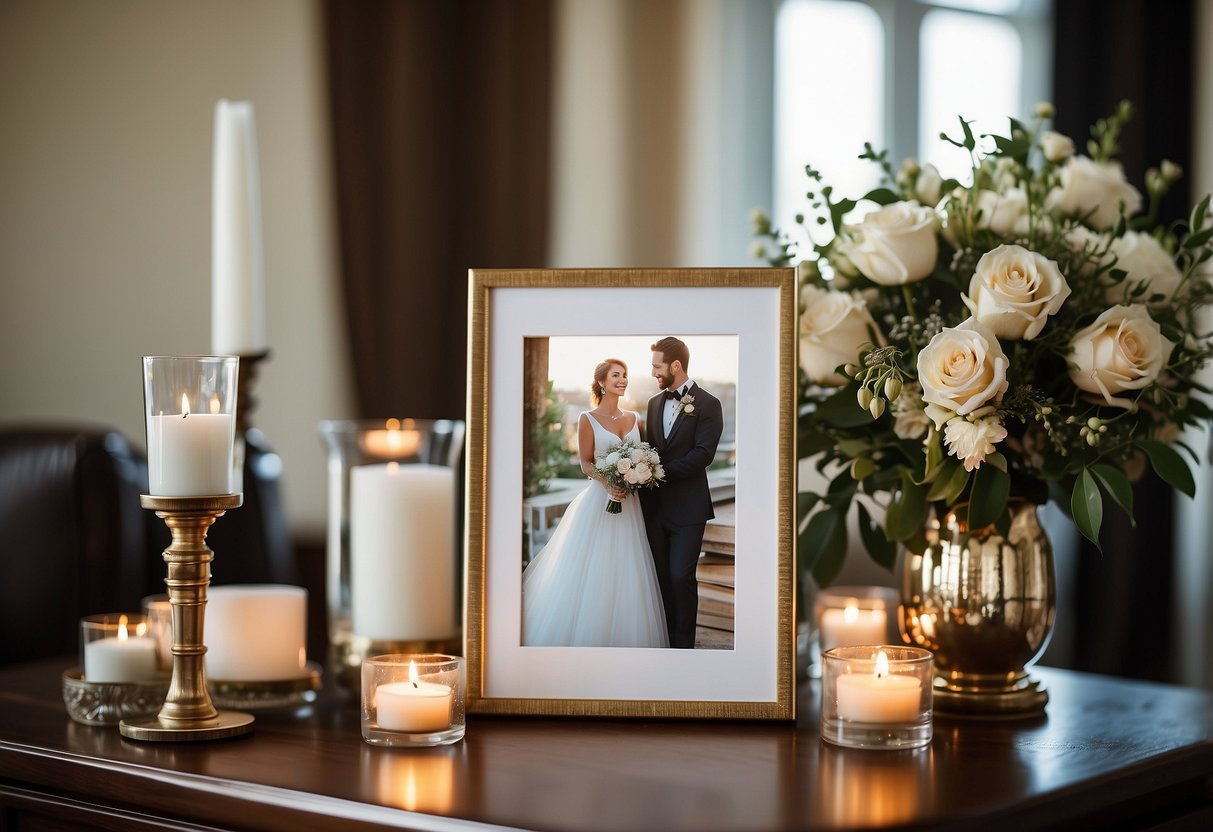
{"x": 877, "y": 697}
{"x": 399, "y": 593}
{"x": 159, "y": 615}
{"x": 190, "y": 402}
{"x": 413, "y": 699}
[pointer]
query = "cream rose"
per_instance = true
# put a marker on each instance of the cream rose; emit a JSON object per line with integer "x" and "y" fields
{"x": 910, "y": 421}
{"x": 834, "y": 327}
{"x": 895, "y": 244}
{"x": 1014, "y": 291}
{"x": 962, "y": 369}
{"x": 1056, "y": 146}
{"x": 928, "y": 185}
{"x": 1144, "y": 258}
{"x": 1005, "y": 214}
{"x": 1122, "y": 350}
{"x": 1093, "y": 190}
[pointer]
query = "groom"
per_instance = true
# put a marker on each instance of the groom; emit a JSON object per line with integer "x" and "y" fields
{"x": 684, "y": 423}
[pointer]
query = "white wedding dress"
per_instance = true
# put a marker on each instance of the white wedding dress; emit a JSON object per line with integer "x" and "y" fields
{"x": 593, "y": 584}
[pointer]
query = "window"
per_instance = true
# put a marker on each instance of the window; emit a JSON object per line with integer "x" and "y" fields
{"x": 897, "y": 73}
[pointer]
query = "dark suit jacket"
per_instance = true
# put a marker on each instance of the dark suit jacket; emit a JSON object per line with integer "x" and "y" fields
{"x": 683, "y": 497}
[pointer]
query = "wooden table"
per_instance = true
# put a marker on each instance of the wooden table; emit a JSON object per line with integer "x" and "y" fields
{"x": 1109, "y": 751}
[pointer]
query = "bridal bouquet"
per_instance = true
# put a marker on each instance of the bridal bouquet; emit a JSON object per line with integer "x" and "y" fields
{"x": 1033, "y": 332}
{"x": 631, "y": 466}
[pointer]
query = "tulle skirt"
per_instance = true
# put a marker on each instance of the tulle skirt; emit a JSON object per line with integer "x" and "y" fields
{"x": 593, "y": 584}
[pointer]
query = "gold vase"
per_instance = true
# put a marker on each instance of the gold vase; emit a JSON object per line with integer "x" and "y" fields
{"x": 984, "y": 604}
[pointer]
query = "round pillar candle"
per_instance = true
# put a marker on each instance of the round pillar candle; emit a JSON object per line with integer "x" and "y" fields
{"x": 879, "y": 696}
{"x": 189, "y": 454}
{"x": 256, "y": 633}
{"x": 121, "y": 658}
{"x": 402, "y": 551}
{"x": 852, "y": 626}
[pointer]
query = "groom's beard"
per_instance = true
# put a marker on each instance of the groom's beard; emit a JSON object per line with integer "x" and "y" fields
{"x": 665, "y": 382}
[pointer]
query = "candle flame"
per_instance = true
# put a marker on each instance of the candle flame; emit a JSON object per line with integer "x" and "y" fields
{"x": 215, "y": 406}
{"x": 882, "y": 665}
{"x": 122, "y": 634}
{"x": 141, "y": 628}
{"x": 851, "y": 614}
{"x": 413, "y": 677}
{"x": 393, "y": 467}
{"x": 185, "y": 405}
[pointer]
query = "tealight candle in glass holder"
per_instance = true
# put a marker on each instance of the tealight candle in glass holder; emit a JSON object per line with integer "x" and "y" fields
{"x": 117, "y": 648}
{"x": 413, "y": 699}
{"x": 849, "y": 616}
{"x": 877, "y": 696}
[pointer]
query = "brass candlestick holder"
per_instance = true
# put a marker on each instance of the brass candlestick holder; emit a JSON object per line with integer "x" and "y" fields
{"x": 188, "y": 713}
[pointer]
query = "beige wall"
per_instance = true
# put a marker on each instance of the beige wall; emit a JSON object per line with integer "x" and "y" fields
{"x": 105, "y": 187}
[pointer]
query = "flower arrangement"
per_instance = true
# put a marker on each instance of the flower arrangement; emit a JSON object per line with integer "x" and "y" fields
{"x": 631, "y": 466}
{"x": 1031, "y": 334}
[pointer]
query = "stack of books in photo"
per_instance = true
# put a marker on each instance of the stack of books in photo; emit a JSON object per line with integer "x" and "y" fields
{"x": 716, "y": 571}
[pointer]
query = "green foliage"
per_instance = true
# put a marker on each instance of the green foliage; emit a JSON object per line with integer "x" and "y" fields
{"x": 548, "y": 453}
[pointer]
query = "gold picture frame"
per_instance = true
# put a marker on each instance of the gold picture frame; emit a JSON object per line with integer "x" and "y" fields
{"x": 751, "y": 309}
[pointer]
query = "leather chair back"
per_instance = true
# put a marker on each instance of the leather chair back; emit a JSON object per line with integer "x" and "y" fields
{"x": 72, "y": 535}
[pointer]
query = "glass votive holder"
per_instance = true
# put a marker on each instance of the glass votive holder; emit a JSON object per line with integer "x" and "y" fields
{"x": 117, "y": 647}
{"x": 877, "y": 696}
{"x": 190, "y": 404}
{"x": 413, "y": 699}
{"x": 855, "y": 615}
{"x": 158, "y": 613}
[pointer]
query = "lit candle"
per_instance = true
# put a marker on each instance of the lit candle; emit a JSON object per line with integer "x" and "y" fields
{"x": 852, "y": 627}
{"x": 190, "y": 454}
{"x": 414, "y": 706}
{"x": 124, "y": 658}
{"x": 237, "y": 262}
{"x": 392, "y": 442}
{"x": 879, "y": 696}
{"x": 402, "y": 551}
{"x": 256, "y": 633}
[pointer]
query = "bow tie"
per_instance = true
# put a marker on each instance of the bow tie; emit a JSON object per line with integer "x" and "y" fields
{"x": 674, "y": 394}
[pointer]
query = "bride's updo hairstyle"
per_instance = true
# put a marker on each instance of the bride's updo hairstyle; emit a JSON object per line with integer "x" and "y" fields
{"x": 600, "y": 374}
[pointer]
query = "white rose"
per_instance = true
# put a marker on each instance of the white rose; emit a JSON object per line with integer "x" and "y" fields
{"x": 660, "y": 473}
{"x": 1122, "y": 350}
{"x": 1093, "y": 190}
{"x": 834, "y": 327}
{"x": 962, "y": 368}
{"x": 1014, "y": 291}
{"x": 643, "y": 472}
{"x": 624, "y": 465}
{"x": 928, "y": 187}
{"x": 1006, "y": 214}
{"x": 1056, "y": 146}
{"x": 631, "y": 477}
{"x": 1144, "y": 258}
{"x": 895, "y": 245}
{"x": 973, "y": 441}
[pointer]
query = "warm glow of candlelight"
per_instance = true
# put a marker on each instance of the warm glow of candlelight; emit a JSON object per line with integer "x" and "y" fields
{"x": 185, "y": 405}
{"x": 882, "y": 665}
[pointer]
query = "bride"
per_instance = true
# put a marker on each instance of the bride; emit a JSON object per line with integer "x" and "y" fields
{"x": 593, "y": 584}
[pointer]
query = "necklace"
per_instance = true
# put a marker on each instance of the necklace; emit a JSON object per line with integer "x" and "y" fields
{"x": 615, "y": 417}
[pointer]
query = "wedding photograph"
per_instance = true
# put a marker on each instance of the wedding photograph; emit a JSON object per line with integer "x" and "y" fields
{"x": 629, "y": 490}
{"x": 614, "y": 451}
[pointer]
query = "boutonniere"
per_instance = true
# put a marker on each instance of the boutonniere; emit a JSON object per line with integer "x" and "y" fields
{"x": 686, "y": 404}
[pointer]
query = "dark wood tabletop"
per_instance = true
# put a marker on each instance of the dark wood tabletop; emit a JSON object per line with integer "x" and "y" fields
{"x": 1107, "y": 752}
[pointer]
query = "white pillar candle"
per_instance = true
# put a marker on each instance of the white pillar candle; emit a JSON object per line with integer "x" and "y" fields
{"x": 879, "y": 696}
{"x": 415, "y": 706}
{"x": 402, "y": 552}
{"x": 237, "y": 262}
{"x": 124, "y": 658}
{"x": 189, "y": 454}
{"x": 852, "y": 627}
{"x": 256, "y": 633}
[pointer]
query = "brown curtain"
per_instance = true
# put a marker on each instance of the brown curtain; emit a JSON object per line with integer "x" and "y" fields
{"x": 440, "y": 115}
{"x": 1106, "y": 51}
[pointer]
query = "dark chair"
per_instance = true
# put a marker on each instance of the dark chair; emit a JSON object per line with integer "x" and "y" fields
{"x": 73, "y": 538}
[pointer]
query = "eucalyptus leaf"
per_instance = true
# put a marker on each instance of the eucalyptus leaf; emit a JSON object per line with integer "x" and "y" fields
{"x": 988, "y": 499}
{"x": 1169, "y": 465}
{"x": 1086, "y": 507}
{"x": 1117, "y": 484}
{"x": 881, "y": 550}
{"x": 822, "y": 548}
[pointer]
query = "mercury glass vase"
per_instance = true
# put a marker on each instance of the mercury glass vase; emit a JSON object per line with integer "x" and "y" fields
{"x": 984, "y": 603}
